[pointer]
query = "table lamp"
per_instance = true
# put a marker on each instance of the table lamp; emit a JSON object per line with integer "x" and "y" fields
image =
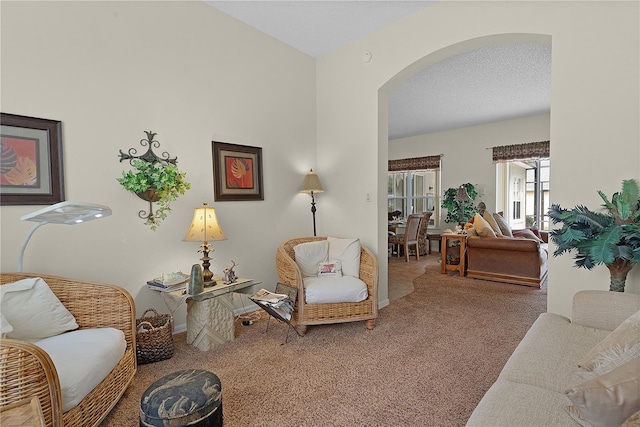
{"x": 68, "y": 213}
{"x": 204, "y": 228}
{"x": 462, "y": 196}
{"x": 311, "y": 184}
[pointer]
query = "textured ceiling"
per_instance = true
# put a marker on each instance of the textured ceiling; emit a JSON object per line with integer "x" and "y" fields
{"x": 481, "y": 86}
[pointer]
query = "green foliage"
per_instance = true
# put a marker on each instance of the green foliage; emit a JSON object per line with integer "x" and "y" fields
{"x": 165, "y": 178}
{"x": 454, "y": 214}
{"x": 611, "y": 238}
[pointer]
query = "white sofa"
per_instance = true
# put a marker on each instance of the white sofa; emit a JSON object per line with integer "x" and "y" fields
{"x": 531, "y": 389}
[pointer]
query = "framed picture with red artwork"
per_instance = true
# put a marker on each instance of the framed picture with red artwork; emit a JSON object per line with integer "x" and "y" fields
{"x": 237, "y": 172}
{"x": 31, "y": 161}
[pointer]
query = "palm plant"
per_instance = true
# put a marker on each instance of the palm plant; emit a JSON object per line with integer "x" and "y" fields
{"x": 611, "y": 238}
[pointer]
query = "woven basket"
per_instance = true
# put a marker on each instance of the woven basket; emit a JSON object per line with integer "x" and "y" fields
{"x": 154, "y": 338}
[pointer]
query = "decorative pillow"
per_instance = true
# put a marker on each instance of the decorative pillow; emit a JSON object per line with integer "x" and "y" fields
{"x": 503, "y": 224}
{"x": 5, "y": 326}
{"x": 331, "y": 268}
{"x": 526, "y": 234}
{"x": 607, "y": 400}
{"x": 309, "y": 255}
{"x": 492, "y": 222}
{"x": 535, "y": 231}
{"x": 33, "y": 310}
{"x": 348, "y": 252}
{"x": 482, "y": 227}
{"x": 621, "y": 345}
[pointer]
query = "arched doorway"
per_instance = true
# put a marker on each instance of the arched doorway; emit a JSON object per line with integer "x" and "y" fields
{"x": 406, "y": 73}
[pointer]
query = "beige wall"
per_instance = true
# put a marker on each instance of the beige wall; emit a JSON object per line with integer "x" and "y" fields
{"x": 594, "y": 110}
{"x": 111, "y": 70}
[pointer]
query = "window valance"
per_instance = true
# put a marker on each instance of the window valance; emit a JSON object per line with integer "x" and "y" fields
{"x": 415, "y": 163}
{"x": 528, "y": 151}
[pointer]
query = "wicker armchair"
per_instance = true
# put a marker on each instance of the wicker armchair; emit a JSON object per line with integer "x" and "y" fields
{"x": 27, "y": 371}
{"x": 317, "y": 314}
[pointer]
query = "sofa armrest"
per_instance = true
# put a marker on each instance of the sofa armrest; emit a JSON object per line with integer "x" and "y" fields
{"x": 603, "y": 310}
{"x": 27, "y": 371}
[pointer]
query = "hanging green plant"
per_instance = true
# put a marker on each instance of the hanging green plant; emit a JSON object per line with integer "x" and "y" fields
{"x": 155, "y": 180}
{"x": 611, "y": 238}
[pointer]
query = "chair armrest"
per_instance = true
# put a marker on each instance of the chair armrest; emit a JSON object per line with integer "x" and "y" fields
{"x": 369, "y": 273}
{"x": 603, "y": 310}
{"x": 27, "y": 371}
{"x": 288, "y": 271}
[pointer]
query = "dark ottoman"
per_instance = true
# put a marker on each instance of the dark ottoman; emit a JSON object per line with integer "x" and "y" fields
{"x": 192, "y": 397}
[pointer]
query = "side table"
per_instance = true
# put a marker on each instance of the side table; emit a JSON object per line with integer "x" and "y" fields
{"x": 461, "y": 266}
{"x": 210, "y": 318}
{"x": 26, "y": 413}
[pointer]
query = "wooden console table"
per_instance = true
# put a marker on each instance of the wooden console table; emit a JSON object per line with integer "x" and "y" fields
{"x": 461, "y": 266}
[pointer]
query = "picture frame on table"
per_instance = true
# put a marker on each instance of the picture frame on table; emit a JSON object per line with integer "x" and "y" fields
{"x": 31, "y": 169}
{"x": 237, "y": 172}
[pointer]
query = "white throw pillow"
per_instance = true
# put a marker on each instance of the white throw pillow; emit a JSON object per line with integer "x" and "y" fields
{"x": 309, "y": 255}
{"x": 331, "y": 268}
{"x": 348, "y": 252}
{"x": 327, "y": 290}
{"x": 5, "y": 326}
{"x": 33, "y": 310}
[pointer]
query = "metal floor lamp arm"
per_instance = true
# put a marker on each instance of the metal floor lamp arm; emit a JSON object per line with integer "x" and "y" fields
{"x": 26, "y": 241}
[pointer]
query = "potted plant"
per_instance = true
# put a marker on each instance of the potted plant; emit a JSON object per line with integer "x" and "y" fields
{"x": 155, "y": 181}
{"x": 611, "y": 238}
{"x": 459, "y": 211}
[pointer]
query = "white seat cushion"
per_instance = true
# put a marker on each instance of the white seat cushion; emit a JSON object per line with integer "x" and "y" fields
{"x": 83, "y": 359}
{"x": 323, "y": 290}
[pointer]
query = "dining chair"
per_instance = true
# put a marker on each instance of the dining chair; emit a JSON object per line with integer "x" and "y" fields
{"x": 423, "y": 242}
{"x": 409, "y": 238}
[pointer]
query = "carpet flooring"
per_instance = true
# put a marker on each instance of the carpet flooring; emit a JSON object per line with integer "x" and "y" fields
{"x": 431, "y": 357}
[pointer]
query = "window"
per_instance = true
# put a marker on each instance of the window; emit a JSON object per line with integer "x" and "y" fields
{"x": 414, "y": 192}
{"x": 534, "y": 203}
{"x": 529, "y": 164}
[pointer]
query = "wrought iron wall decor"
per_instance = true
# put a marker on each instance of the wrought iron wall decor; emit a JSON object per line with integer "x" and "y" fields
{"x": 155, "y": 179}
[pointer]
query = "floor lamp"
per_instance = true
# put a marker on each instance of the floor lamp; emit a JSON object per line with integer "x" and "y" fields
{"x": 68, "y": 213}
{"x": 311, "y": 184}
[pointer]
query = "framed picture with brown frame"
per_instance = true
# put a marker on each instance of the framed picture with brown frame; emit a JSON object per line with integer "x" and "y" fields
{"x": 237, "y": 172}
{"x": 31, "y": 170}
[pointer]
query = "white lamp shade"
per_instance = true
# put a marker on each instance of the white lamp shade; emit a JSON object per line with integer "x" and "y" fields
{"x": 311, "y": 183}
{"x": 204, "y": 226}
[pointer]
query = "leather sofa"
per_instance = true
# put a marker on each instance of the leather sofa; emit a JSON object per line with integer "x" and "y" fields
{"x": 508, "y": 259}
